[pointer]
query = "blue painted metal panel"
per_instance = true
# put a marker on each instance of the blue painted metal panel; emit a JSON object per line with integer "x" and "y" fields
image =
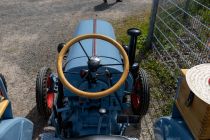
{"x": 104, "y": 50}
{"x": 172, "y": 127}
{"x": 167, "y": 128}
{"x": 16, "y": 129}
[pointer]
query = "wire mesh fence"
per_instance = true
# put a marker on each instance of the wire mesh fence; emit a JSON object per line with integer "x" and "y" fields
{"x": 179, "y": 36}
{"x": 180, "y": 32}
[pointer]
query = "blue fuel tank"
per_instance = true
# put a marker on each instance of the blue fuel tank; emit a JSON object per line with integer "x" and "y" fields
{"x": 102, "y": 49}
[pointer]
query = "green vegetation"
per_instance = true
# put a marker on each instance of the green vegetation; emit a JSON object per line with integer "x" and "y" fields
{"x": 162, "y": 73}
{"x": 202, "y": 14}
{"x": 141, "y": 23}
{"x": 162, "y": 83}
{"x": 196, "y": 9}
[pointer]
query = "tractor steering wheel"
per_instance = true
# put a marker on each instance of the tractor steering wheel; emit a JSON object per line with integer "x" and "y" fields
{"x": 99, "y": 94}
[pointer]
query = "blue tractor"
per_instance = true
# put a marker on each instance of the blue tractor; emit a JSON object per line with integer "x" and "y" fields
{"x": 12, "y": 128}
{"x": 98, "y": 90}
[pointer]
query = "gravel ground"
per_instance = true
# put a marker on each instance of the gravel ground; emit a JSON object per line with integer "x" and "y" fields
{"x": 29, "y": 33}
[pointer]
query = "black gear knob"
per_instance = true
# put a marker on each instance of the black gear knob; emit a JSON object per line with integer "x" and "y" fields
{"x": 134, "y": 32}
{"x": 60, "y": 47}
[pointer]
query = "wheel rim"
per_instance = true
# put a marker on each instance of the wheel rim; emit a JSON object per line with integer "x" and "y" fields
{"x": 50, "y": 99}
{"x": 136, "y": 100}
{"x": 50, "y": 94}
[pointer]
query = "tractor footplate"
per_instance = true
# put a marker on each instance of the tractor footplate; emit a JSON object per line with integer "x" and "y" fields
{"x": 128, "y": 119}
{"x": 48, "y": 136}
{"x": 51, "y": 136}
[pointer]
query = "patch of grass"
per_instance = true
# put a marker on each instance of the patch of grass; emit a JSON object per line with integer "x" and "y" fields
{"x": 140, "y": 22}
{"x": 162, "y": 83}
{"x": 160, "y": 71}
{"x": 166, "y": 109}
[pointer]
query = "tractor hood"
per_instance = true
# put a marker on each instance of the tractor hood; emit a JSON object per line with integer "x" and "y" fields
{"x": 107, "y": 53}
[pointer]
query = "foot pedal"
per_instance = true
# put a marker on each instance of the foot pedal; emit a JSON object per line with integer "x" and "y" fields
{"x": 128, "y": 119}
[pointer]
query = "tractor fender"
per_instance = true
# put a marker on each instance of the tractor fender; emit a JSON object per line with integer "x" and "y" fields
{"x": 16, "y": 129}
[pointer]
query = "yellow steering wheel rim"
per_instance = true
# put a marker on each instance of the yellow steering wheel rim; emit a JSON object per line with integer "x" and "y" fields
{"x": 99, "y": 94}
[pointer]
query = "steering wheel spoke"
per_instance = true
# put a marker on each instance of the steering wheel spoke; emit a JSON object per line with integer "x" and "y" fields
{"x": 94, "y": 64}
{"x": 73, "y": 72}
{"x": 103, "y": 65}
{"x": 84, "y": 50}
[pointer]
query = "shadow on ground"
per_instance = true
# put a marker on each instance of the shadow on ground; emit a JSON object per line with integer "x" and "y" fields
{"x": 38, "y": 121}
{"x": 103, "y": 6}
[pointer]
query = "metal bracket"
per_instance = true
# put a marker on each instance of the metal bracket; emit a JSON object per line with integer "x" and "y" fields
{"x": 190, "y": 98}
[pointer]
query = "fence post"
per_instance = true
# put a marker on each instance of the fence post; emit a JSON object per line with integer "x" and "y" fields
{"x": 152, "y": 23}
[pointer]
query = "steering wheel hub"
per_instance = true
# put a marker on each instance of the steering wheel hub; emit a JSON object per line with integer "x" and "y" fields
{"x": 94, "y": 63}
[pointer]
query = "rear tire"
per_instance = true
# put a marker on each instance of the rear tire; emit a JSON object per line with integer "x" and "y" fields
{"x": 41, "y": 92}
{"x": 4, "y": 81}
{"x": 143, "y": 92}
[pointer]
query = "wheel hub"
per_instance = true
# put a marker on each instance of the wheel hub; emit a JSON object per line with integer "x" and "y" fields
{"x": 50, "y": 94}
{"x": 135, "y": 100}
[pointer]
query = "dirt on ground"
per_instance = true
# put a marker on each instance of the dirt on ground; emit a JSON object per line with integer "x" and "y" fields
{"x": 30, "y": 31}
